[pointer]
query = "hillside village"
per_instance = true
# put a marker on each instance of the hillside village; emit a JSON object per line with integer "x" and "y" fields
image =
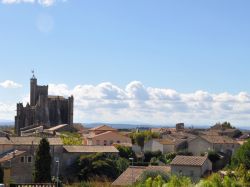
{"x": 45, "y": 146}
{"x": 173, "y": 151}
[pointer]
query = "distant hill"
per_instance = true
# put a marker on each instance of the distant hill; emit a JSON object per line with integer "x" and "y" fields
{"x": 6, "y": 123}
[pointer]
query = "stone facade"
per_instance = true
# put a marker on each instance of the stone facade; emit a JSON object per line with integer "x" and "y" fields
{"x": 21, "y": 167}
{"x": 203, "y": 144}
{"x": 43, "y": 109}
{"x": 194, "y": 167}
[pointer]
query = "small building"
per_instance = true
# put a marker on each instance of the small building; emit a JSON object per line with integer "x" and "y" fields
{"x": 101, "y": 129}
{"x": 17, "y": 156}
{"x": 104, "y": 136}
{"x": 194, "y": 167}
{"x": 205, "y": 143}
{"x": 72, "y": 153}
{"x": 163, "y": 145}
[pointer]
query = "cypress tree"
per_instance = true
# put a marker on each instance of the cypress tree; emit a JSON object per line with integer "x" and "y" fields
{"x": 42, "y": 173}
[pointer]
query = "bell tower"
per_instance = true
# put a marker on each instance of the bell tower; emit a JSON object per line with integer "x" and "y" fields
{"x": 33, "y": 89}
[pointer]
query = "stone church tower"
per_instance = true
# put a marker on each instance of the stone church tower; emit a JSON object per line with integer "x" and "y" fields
{"x": 43, "y": 109}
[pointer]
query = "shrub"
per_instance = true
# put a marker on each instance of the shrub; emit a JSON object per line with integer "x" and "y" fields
{"x": 153, "y": 174}
{"x": 148, "y": 155}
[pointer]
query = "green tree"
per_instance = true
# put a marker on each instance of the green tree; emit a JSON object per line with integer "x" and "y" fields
{"x": 125, "y": 152}
{"x": 122, "y": 164}
{"x": 179, "y": 181}
{"x": 140, "y": 140}
{"x": 100, "y": 164}
{"x": 43, "y": 162}
{"x": 69, "y": 138}
{"x": 242, "y": 156}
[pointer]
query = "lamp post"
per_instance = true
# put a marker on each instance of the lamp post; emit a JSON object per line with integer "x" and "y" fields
{"x": 132, "y": 171}
{"x": 57, "y": 173}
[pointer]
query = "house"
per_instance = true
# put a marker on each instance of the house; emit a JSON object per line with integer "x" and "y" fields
{"x": 101, "y": 129}
{"x": 163, "y": 145}
{"x": 134, "y": 173}
{"x": 71, "y": 153}
{"x": 205, "y": 143}
{"x": 105, "y": 135}
{"x": 232, "y": 133}
{"x": 194, "y": 167}
{"x": 17, "y": 155}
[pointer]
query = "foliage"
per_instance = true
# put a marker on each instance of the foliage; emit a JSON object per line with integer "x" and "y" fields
{"x": 243, "y": 175}
{"x": 179, "y": 181}
{"x": 242, "y": 156}
{"x": 122, "y": 164}
{"x": 100, "y": 164}
{"x": 153, "y": 174}
{"x": 69, "y": 138}
{"x": 216, "y": 181}
{"x": 154, "y": 161}
{"x": 159, "y": 181}
{"x": 43, "y": 162}
{"x": 225, "y": 125}
{"x": 125, "y": 152}
{"x": 140, "y": 138}
{"x": 169, "y": 157}
{"x": 185, "y": 153}
{"x": 148, "y": 155}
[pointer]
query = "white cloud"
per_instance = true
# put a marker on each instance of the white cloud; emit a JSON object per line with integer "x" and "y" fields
{"x": 45, "y": 3}
{"x": 136, "y": 103}
{"x": 10, "y": 84}
{"x": 139, "y": 104}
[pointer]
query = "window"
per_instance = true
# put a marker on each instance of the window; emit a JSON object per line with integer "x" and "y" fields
{"x": 118, "y": 141}
{"x": 29, "y": 159}
{"x": 111, "y": 142}
{"x": 22, "y": 159}
{"x": 105, "y": 142}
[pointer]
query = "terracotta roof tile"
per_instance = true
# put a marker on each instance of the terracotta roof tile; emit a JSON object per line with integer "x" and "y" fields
{"x": 90, "y": 149}
{"x": 219, "y": 139}
{"x": 11, "y": 155}
{"x": 28, "y": 141}
{"x": 125, "y": 178}
{"x": 188, "y": 160}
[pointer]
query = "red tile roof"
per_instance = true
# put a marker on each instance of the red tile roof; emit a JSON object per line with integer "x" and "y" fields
{"x": 189, "y": 160}
{"x": 11, "y": 155}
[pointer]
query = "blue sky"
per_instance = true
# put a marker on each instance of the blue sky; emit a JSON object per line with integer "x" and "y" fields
{"x": 180, "y": 45}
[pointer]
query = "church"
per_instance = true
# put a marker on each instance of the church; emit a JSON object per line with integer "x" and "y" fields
{"x": 43, "y": 110}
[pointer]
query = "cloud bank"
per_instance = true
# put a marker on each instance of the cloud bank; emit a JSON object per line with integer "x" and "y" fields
{"x": 45, "y": 3}
{"x": 10, "y": 84}
{"x": 136, "y": 103}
